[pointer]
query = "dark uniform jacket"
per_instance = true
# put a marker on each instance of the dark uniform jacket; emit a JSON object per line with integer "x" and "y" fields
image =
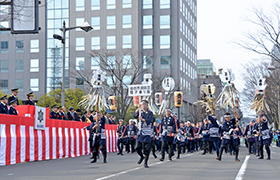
{"x": 76, "y": 116}
{"x": 70, "y": 115}
{"x": 3, "y": 108}
{"x": 12, "y": 111}
{"x": 168, "y": 127}
{"x": 29, "y": 102}
{"x": 53, "y": 115}
{"x": 12, "y": 97}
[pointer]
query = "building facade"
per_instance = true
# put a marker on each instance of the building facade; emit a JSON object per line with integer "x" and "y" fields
{"x": 205, "y": 66}
{"x": 162, "y": 34}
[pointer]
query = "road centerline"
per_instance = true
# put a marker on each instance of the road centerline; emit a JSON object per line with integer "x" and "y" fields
{"x": 242, "y": 169}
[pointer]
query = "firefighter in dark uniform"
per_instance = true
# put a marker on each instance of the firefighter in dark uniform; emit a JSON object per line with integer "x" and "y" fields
{"x": 13, "y": 96}
{"x": 131, "y": 135}
{"x": 167, "y": 131}
{"x": 30, "y": 98}
{"x": 12, "y": 109}
{"x": 3, "y": 105}
{"x": 121, "y": 130}
{"x": 145, "y": 125}
{"x": 204, "y": 132}
{"x": 250, "y": 137}
{"x": 53, "y": 114}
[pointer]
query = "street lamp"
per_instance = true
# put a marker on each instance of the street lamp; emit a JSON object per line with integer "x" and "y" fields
{"x": 86, "y": 27}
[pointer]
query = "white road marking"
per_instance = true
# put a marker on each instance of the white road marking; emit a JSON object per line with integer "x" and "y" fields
{"x": 243, "y": 168}
{"x": 134, "y": 169}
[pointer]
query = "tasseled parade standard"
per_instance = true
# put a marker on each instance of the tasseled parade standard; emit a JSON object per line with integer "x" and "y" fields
{"x": 259, "y": 104}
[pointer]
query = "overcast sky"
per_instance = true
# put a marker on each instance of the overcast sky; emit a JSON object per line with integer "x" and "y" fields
{"x": 219, "y": 23}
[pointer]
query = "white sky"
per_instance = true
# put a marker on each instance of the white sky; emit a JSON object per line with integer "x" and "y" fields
{"x": 219, "y": 23}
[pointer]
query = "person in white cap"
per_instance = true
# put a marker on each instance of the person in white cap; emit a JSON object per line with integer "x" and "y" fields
{"x": 131, "y": 136}
{"x": 190, "y": 136}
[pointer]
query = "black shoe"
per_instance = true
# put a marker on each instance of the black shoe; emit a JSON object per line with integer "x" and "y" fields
{"x": 237, "y": 160}
{"x": 203, "y": 153}
{"x": 118, "y": 153}
{"x": 268, "y": 158}
{"x": 140, "y": 160}
{"x": 155, "y": 155}
{"x": 121, "y": 154}
{"x": 261, "y": 157}
{"x": 161, "y": 159}
{"x": 146, "y": 165}
{"x": 104, "y": 161}
{"x": 170, "y": 158}
{"x": 93, "y": 161}
{"x": 178, "y": 157}
{"x": 146, "y": 162}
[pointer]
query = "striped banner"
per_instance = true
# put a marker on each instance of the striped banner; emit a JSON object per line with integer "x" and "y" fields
{"x": 20, "y": 142}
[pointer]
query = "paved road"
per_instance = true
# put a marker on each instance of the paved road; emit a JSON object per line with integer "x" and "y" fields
{"x": 190, "y": 166}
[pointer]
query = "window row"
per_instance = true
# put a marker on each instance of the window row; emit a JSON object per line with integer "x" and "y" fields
{"x": 19, "y": 65}
{"x": 111, "y": 62}
{"x": 19, "y": 46}
{"x": 163, "y": 4}
{"x": 187, "y": 69}
{"x": 185, "y": 84}
{"x": 19, "y": 83}
{"x": 95, "y": 4}
{"x": 164, "y": 21}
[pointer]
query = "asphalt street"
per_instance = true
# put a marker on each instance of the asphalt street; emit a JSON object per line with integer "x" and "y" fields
{"x": 190, "y": 166}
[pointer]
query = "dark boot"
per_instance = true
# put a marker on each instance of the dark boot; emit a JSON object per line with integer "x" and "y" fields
{"x": 94, "y": 158}
{"x": 220, "y": 155}
{"x": 105, "y": 157}
{"x": 236, "y": 154}
{"x": 146, "y": 162}
{"x": 268, "y": 152}
{"x": 141, "y": 157}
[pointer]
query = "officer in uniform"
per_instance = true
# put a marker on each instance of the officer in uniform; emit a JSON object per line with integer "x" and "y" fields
{"x": 143, "y": 142}
{"x": 70, "y": 114}
{"x": 3, "y": 105}
{"x": 12, "y": 109}
{"x": 131, "y": 135}
{"x": 99, "y": 139}
{"x": 76, "y": 115}
{"x": 167, "y": 131}
{"x": 228, "y": 129}
{"x": 121, "y": 130}
{"x": 29, "y": 99}
{"x": 250, "y": 137}
{"x": 13, "y": 96}
{"x": 53, "y": 114}
{"x": 263, "y": 130}
{"x": 204, "y": 132}
{"x": 190, "y": 136}
{"x": 215, "y": 133}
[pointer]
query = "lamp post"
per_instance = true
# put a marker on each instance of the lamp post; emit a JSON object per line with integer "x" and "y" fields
{"x": 272, "y": 68}
{"x": 86, "y": 27}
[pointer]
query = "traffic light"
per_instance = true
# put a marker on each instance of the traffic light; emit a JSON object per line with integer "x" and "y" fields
{"x": 178, "y": 98}
{"x": 158, "y": 98}
{"x": 113, "y": 103}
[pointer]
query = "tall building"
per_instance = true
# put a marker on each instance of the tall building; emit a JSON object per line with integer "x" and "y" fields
{"x": 205, "y": 66}
{"x": 163, "y": 34}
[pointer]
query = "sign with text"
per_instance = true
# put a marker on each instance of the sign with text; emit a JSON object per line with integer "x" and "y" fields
{"x": 140, "y": 90}
{"x": 40, "y": 118}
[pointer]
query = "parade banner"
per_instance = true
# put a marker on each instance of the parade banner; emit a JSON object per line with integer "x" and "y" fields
{"x": 40, "y": 118}
{"x": 21, "y": 142}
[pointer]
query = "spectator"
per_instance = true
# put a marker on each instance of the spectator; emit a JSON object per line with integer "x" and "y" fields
{"x": 76, "y": 115}
{"x": 70, "y": 114}
{"x": 113, "y": 120}
{"x": 92, "y": 114}
{"x": 12, "y": 109}
{"x": 53, "y": 114}
{"x": 63, "y": 113}
{"x": 3, "y": 105}
{"x": 60, "y": 114}
{"x": 84, "y": 117}
{"x": 106, "y": 118}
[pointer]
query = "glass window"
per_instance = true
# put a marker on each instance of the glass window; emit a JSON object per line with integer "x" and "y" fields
{"x": 80, "y": 44}
{"x": 165, "y": 42}
{"x": 19, "y": 47}
{"x": 126, "y": 4}
{"x": 95, "y": 4}
{"x": 148, "y": 42}
{"x": 19, "y": 65}
{"x": 95, "y": 22}
{"x": 95, "y": 62}
{"x": 34, "y": 65}
{"x": 80, "y": 5}
{"x": 80, "y": 81}
{"x": 34, "y": 84}
{"x": 111, "y": 22}
{"x": 111, "y": 62}
{"x": 148, "y": 22}
{"x": 111, "y": 80}
{"x": 4, "y": 48}
{"x": 127, "y": 61}
{"x": 126, "y": 80}
{"x": 165, "y": 62}
{"x": 147, "y": 62}
{"x": 4, "y": 66}
{"x": 19, "y": 84}
{"x": 111, "y": 42}
{"x": 127, "y": 41}
{"x": 34, "y": 46}
{"x": 80, "y": 63}
{"x": 95, "y": 43}
{"x": 79, "y": 21}
{"x": 111, "y": 4}
{"x": 147, "y": 4}
{"x": 164, "y": 4}
{"x": 126, "y": 21}
{"x": 165, "y": 22}
{"x": 4, "y": 85}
